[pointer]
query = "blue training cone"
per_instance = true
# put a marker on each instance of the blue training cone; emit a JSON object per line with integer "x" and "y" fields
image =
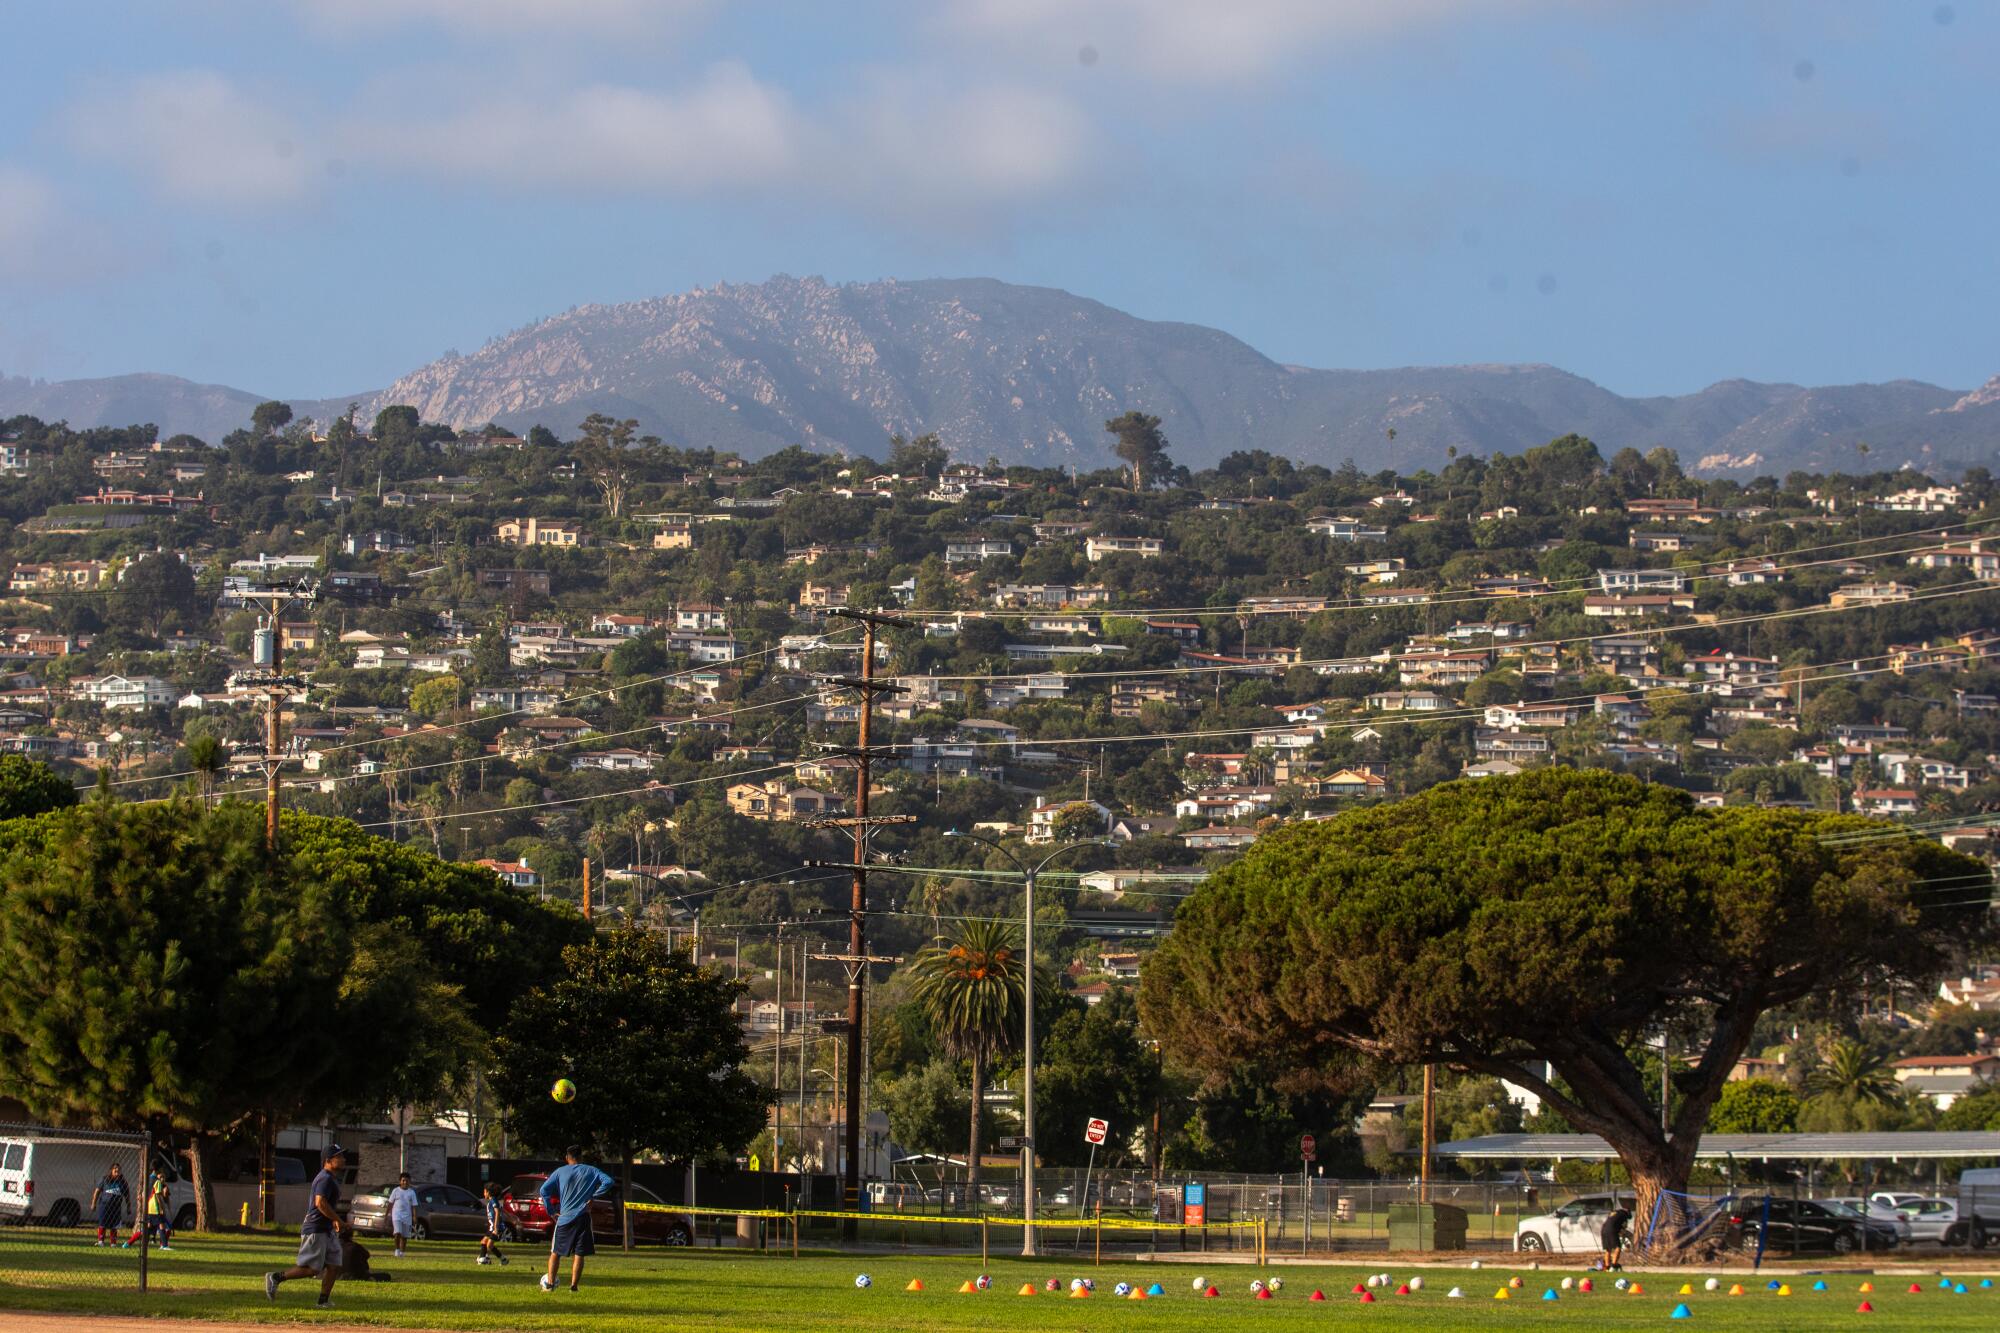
{"x": 1944, "y": 1284}
{"x": 1550, "y": 1294}
{"x": 1958, "y": 1289}
{"x": 1820, "y": 1285}
{"x": 1681, "y": 1312}
{"x": 1986, "y": 1282}
{"x": 1772, "y": 1285}
{"x": 1156, "y": 1290}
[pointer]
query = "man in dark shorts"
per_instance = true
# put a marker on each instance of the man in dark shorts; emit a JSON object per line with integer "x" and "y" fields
{"x": 566, "y": 1194}
{"x": 319, "y": 1235}
{"x": 1612, "y": 1236}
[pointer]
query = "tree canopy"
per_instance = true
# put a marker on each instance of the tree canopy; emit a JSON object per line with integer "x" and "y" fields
{"x": 1559, "y": 916}
{"x": 31, "y": 788}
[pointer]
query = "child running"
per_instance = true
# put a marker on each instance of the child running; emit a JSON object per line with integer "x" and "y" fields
{"x": 489, "y": 1244}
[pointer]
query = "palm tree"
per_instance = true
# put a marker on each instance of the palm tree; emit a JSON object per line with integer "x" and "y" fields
{"x": 1850, "y": 1071}
{"x": 206, "y": 758}
{"x": 971, "y": 991}
{"x": 932, "y": 895}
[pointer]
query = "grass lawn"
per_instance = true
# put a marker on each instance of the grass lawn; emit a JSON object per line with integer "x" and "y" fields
{"x": 440, "y": 1287}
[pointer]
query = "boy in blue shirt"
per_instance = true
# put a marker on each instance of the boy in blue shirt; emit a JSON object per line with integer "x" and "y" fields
{"x": 567, "y": 1194}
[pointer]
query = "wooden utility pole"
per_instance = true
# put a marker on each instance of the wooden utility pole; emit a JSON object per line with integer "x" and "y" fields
{"x": 268, "y": 652}
{"x": 857, "y": 927}
{"x": 1430, "y": 1134}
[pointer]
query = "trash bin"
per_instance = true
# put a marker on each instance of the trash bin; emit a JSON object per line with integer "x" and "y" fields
{"x": 1343, "y": 1208}
{"x": 1426, "y": 1226}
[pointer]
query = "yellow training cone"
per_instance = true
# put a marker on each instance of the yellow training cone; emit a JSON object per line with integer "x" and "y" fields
{"x": 1500, "y": 1295}
{"x": 1636, "y": 1289}
{"x": 1785, "y": 1289}
{"x": 1027, "y": 1289}
{"x": 916, "y": 1284}
{"x": 1687, "y": 1288}
{"x": 966, "y": 1288}
{"x": 1867, "y": 1286}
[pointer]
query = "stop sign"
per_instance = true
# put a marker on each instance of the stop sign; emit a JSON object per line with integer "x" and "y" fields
{"x": 1307, "y": 1145}
{"x": 1095, "y": 1131}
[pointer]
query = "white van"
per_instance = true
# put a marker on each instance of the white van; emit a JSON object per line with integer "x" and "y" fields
{"x": 47, "y": 1180}
{"x": 1979, "y": 1206}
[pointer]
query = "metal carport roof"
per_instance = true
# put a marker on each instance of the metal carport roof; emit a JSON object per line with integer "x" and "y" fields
{"x": 1911, "y": 1145}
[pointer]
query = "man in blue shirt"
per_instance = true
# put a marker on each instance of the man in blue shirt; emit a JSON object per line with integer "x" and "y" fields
{"x": 566, "y": 1194}
{"x": 319, "y": 1234}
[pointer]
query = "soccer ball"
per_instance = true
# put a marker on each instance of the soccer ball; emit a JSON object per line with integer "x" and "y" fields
{"x": 1514, "y": 1282}
{"x": 1276, "y": 1284}
{"x": 1089, "y": 1283}
{"x": 1200, "y": 1284}
{"x": 1122, "y": 1289}
{"x": 863, "y": 1280}
{"x": 1710, "y": 1285}
{"x": 1620, "y": 1284}
{"x": 1568, "y": 1283}
{"x": 1052, "y": 1284}
{"x": 1477, "y": 1264}
{"x": 564, "y": 1091}
{"x": 984, "y": 1283}
{"x": 1076, "y": 1284}
{"x": 1416, "y": 1284}
{"x": 1256, "y": 1285}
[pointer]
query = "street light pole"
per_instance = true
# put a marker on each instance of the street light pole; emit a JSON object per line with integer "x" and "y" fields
{"x": 1028, "y": 874}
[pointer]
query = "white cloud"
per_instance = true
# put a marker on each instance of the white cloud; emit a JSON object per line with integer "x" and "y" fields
{"x": 486, "y": 18}
{"x": 726, "y": 130}
{"x": 1199, "y": 40}
{"x": 981, "y": 146}
{"x": 196, "y": 135}
{"x": 28, "y": 221}
{"x": 47, "y": 245}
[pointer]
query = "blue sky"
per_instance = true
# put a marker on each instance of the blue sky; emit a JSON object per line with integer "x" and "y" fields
{"x": 308, "y": 197}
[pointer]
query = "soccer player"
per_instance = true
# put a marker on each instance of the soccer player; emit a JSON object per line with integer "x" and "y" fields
{"x": 567, "y": 1194}
{"x": 402, "y": 1212}
{"x": 107, "y": 1201}
{"x": 319, "y": 1235}
{"x": 489, "y": 1244}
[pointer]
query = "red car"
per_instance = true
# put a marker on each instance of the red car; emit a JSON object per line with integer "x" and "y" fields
{"x": 523, "y": 1205}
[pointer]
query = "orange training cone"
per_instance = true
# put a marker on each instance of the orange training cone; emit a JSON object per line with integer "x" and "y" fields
{"x": 1736, "y": 1289}
{"x": 1078, "y": 1293}
{"x": 1636, "y": 1289}
{"x": 1137, "y": 1295}
{"x": 1027, "y": 1289}
{"x": 966, "y": 1288}
{"x": 916, "y": 1284}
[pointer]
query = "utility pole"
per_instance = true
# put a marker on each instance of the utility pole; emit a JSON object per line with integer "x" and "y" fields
{"x": 1430, "y": 1134}
{"x": 268, "y": 652}
{"x": 857, "y": 928}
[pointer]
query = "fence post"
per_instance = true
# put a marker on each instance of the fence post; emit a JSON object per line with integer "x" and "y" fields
{"x": 795, "y": 1235}
{"x": 985, "y": 1235}
{"x": 1098, "y": 1258}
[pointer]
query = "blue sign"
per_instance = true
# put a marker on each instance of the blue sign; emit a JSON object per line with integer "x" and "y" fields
{"x": 1195, "y": 1195}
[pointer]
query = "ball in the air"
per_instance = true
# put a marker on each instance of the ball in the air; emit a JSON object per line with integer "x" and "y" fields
{"x": 1200, "y": 1284}
{"x": 563, "y": 1091}
{"x": 1122, "y": 1289}
{"x": 863, "y": 1280}
{"x": 1710, "y": 1285}
{"x": 984, "y": 1283}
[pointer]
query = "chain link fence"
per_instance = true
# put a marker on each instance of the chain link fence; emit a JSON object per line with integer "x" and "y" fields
{"x": 74, "y": 1208}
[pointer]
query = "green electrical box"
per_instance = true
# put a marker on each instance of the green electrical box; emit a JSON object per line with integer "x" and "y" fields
{"x": 1426, "y": 1226}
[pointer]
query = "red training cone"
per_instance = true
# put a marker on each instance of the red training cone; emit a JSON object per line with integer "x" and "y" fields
{"x": 1367, "y": 1298}
{"x": 1403, "y": 1290}
{"x": 1211, "y": 1291}
{"x": 1359, "y": 1288}
{"x": 1263, "y": 1293}
{"x": 1916, "y": 1290}
{"x": 1864, "y": 1308}
{"x": 1317, "y": 1295}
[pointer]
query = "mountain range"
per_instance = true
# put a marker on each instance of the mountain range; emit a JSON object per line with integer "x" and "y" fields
{"x": 1030, "y": 374}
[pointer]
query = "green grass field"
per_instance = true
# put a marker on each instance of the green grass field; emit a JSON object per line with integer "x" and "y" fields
{"x": 440, "y": 1287}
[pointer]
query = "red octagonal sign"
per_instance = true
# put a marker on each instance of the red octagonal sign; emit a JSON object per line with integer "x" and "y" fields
{"x": 1307, "y": 1145}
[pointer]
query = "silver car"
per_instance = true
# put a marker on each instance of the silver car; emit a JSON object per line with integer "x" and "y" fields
{"x": 1876, "y": 1211}
{"x": 441, "y": 1210}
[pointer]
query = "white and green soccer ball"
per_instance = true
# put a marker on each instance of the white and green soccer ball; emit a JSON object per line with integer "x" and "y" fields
{"x": 1201, "y": 1284}
{"x": 1276, "y": 1284}
{"x": 1711, "y": 1285}
{"x": 1416, "y": 1284}
{"x": 863, "y": 1280}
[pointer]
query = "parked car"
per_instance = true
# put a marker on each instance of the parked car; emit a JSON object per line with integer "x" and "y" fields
{"x": 1979, "y": 1204}
{"x": 1936, "y": 1222}
{"x": 523, "y": 1204}
{"x": 1894, "y": 1198}
{"x": 440, "y": 1210}
{"x": 1781, "y": 1224}
{"x": 1876, "y": 1212}
{"x": 1575, "y": 1228}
